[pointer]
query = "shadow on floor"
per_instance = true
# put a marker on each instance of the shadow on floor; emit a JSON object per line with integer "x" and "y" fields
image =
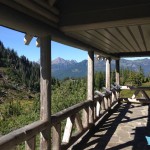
{"x": 99, "y": 136}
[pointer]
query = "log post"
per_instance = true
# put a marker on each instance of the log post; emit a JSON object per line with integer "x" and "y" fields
{"x": 118, "y": 75}
{"x": 118, "y": 72}
{"x": 90, "y": 82}
{"x": 108, "y": 70}
{"x": 45, "y": 89}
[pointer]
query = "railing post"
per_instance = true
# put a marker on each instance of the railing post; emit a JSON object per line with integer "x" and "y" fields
{"x": 78, "y": 123}
{"x": 90, "y": 78}
{"x": 45, "y": 89}
{"x": 98, "y": 109}
{"x": 56, "y": 136}
{"x": 108, "y": 70}
{"x": 118, "y": 75}
{"x": 68, "y": 129}
{"x": 30, "y": 144}
{"x": 85, "y": 117}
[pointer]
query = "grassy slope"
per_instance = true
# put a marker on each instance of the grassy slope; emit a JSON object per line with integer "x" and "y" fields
{"x": 17, "y": 106}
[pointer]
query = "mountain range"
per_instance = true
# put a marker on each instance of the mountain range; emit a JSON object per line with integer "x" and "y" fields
{"x": 62, "y": 68}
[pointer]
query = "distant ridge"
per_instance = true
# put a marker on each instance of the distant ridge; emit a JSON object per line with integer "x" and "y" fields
{"x": 60, "y": 60}
{"x": 62, "y": 68}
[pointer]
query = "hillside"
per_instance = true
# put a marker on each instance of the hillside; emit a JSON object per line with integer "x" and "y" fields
{"x": 21, "y": 72}
{"x": 19, "y": 77}
{"x": 19, "y": 91}
{"x": 62, "y": 68}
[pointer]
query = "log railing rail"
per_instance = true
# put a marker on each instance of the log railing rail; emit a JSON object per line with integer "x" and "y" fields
{"x": 75, "y": 127}
{"x": 27, "y": 133}
{"x": 145, "y": 98}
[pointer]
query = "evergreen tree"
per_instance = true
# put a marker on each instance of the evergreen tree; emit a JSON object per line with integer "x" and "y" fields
{"x": 20, "y": 69}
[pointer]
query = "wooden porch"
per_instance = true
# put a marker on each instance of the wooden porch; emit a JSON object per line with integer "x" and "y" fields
{"x": 125, "y": 128}
{"x": 108, "y": 29}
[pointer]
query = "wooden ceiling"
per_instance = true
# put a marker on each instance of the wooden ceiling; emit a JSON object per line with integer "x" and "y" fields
{"x": 111, "y": 28}
{"x": 121, "y": 41}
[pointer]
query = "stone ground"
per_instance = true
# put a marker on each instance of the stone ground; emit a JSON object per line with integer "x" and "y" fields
{"x": 125, "y": 129}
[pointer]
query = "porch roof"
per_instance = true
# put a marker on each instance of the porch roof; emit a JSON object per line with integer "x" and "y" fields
{"x": 112, "y": 28}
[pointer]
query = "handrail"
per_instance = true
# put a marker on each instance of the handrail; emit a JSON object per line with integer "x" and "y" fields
{"x": 91, "y": 108}
{"x": 71, "y": 110}
{"x": 134, "y": 88}
{"x": 18, "y": 136}
{"x": 107, "y": 91}
{"x": 100, "y": 94}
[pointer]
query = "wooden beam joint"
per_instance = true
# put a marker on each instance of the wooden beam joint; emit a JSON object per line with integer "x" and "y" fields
{"x": 27, "y": 39}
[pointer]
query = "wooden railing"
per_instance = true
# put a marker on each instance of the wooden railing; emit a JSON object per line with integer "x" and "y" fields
{"x": 77, "y": 119}
{"x": 135, "y": 98}
{"x": 27, "y": 134}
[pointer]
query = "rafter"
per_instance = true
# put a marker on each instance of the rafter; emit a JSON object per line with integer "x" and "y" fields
{"x": 30, "y": 5}
{"x": 51, "y": 2}
{"x": 134, "y": 54}
{"x": 43, "y": 4}
{"x": 96, "y": 17}
{"x": 27, "y": 39}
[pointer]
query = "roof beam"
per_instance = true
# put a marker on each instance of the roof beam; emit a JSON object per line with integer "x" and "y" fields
{"x": 134, "y": 54}
{"x": 27, "y": 11}
{"x": 106, "y": 24}
{"x": 38, "y": 42}
{"x": 51, "y": 2}
{"x": 21, "y": 22}
{"x": 36, "y": 8}
{"x": 52, "y": 9}
{"x": 104, "y": 18}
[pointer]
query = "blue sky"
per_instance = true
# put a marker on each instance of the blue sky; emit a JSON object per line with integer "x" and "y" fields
{"x": 14, "y": 40}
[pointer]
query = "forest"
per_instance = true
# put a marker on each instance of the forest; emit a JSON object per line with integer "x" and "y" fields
{"x": 19, "y": 89}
